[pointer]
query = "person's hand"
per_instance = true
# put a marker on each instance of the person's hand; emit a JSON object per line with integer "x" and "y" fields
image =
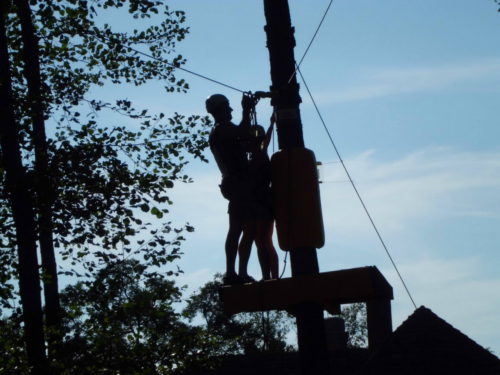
{"x": 247, "y": 102}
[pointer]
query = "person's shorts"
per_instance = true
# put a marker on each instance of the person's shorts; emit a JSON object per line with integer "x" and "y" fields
{"x": 238, "y": 190}
{"x": 241, "y": 210}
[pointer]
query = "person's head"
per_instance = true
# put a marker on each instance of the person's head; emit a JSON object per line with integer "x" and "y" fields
{"x": 218, "y": 106}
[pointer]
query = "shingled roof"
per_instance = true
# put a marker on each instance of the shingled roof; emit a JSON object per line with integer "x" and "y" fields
{"x": 426, "y": 344}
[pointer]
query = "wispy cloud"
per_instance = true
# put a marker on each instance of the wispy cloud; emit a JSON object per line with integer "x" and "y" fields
{"x": 389, "y": 81}
{"x": 428, "y": 185}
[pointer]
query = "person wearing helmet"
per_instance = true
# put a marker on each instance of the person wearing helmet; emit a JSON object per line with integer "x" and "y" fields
{"x": 229, "y": 144}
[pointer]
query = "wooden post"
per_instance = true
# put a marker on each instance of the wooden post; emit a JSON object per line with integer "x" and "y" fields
{"x": 379, "y": 320}
{"x": 304, "y": 261}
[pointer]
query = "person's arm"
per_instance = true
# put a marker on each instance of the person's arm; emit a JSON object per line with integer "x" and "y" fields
{"x": 247, "y": 103}
{"x": 245, "y": 129}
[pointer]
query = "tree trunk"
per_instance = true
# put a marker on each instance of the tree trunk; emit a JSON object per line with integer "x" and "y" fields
{"x": 42, "y": 180}
{"x": 23, "y": 213}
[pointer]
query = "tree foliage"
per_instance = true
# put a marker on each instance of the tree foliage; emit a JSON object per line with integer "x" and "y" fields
{"x": 354, "y": 316}
{"x": 13, "y": 358}
{"x": 124, "y": 321}
{"x": 109, "y": 164}
{"x": 107, "y": 178}
{"x": 243, "y": 333}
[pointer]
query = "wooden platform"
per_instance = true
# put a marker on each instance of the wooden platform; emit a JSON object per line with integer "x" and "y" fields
{"x": 328, "y": 289}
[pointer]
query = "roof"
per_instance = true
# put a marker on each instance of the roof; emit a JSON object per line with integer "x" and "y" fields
{"x": 426, "y": 344}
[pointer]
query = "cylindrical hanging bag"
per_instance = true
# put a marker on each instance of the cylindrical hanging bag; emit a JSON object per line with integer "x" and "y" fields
{"x": 297, "y": 203}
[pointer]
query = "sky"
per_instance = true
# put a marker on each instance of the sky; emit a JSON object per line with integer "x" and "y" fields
{"x": 410, "y": 92}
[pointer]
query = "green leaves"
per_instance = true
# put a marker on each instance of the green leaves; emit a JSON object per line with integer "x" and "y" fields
{"x": 354, "y": 316}
{"x": 125, "y": 321}
{"x": 110, "y": 180}
{"x": 241, "y": 334}
{"x": 155, "y": 211}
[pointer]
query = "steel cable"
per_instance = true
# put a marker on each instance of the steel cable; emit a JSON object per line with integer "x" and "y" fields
{"x": 355, "y": 188}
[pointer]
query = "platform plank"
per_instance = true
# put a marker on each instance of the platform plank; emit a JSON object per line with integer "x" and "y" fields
{"x": 329, "y": 289}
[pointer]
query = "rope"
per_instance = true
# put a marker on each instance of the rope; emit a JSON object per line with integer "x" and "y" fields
{"x": 104, "y": 39}
{"x": 187, "y": 70}
{"x": 284, "y": 265}
{"x": 355, "y": 189}
{"x": 274, "y": 139}
{"x": 311, "y": 42}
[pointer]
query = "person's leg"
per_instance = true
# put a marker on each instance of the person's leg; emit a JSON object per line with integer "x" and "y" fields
{"x": 245, "y": 247}
{"x": 233, "y": 236}
{"x": 262, "y": 252}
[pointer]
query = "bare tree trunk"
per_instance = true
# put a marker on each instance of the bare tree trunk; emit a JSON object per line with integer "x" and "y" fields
{"x": 23, "y": 213}
{"x": 42, "y": 181}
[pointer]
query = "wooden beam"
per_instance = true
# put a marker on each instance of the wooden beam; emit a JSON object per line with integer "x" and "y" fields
{"x": 329, "y": 289}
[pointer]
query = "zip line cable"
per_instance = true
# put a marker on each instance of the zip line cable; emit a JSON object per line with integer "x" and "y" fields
{"x": 105, "y": 40}
{"x": 311, "y": 42}
{"x": 355, "y": 189}
{"x": 224, "y": 84}
{"x": 185, "y": 70}
{"x": 188, "y": 71}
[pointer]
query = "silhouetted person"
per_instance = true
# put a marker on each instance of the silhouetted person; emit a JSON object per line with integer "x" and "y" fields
{"x": 260, "y": 170}
{"x": 229, "y": 144}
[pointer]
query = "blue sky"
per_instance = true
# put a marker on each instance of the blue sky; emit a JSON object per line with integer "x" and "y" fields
{"x": 410, "y": 92}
